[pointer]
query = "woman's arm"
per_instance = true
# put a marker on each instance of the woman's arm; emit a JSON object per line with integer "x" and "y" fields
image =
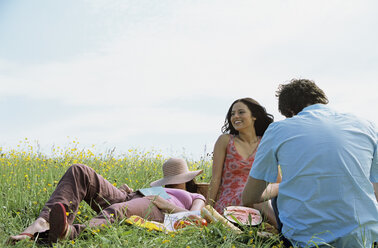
{"x": 219, "y": 156}
{"x": 169, "y": 207}
{"x": 279, "y": 177}
{"x": 197, "y": 204}
{"x": 165, "y": 205}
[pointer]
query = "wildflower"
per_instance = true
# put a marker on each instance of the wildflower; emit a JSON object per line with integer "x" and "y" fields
{"x": 67, "y": 213}
{"x": 78, "y": 212}
{"x": 72, "y": 242}
{"x": 165, "y": 241}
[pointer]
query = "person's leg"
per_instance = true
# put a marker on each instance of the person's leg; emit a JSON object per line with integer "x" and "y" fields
{"x": 285, "y": 241}
{"x": 138, "y": 206}
{"x": 81, "y": 182}
{"x": 276, "y": 213}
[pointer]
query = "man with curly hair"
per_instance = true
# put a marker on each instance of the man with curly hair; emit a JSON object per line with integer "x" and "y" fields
{"x": 329, "y": 163}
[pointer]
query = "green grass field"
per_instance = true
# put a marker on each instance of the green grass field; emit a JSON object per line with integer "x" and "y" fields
{"x": 28, "y": 178}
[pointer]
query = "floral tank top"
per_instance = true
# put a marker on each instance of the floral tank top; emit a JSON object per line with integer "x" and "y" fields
{"x": 234, "y": 176}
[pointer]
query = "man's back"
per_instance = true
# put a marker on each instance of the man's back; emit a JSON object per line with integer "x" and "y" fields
{"x": 326, "y": 160}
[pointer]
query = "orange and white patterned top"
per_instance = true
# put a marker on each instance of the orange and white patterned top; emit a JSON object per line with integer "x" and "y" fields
{"x": 234, "y": 176}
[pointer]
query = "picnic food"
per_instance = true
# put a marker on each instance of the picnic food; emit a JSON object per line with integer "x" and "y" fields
{"x": 243, "y": 215}
{"x": 190, "y": 221}
{"x": 211, "y": 215}
{"x": 181, "y": 224}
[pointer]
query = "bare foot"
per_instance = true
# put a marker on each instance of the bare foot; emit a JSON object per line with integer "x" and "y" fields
{"x": 39, "y": 225}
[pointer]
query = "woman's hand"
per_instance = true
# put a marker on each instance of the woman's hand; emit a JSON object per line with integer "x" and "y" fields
{"x": 159, "y": 201}
{"x": 164, "y": 205}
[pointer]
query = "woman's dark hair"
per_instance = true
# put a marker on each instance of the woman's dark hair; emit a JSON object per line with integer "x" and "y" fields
{"x": 298, "y": 94}
{"x": 263, "y": 119}
{"x": 191, "y": 186}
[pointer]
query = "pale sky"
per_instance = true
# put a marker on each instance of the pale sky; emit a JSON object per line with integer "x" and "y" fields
{"x": 162, "y": 74}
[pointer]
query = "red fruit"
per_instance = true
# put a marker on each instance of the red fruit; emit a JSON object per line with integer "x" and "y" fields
{"x": 190, "y": 221}
{"x": 198, "y": 221}
{"x": 181, "y": 224}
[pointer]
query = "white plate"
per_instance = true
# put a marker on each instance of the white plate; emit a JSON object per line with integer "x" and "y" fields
{"x": 244, "y": 215}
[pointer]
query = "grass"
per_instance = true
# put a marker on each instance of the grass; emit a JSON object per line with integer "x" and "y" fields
{"x": 28, "y": 177}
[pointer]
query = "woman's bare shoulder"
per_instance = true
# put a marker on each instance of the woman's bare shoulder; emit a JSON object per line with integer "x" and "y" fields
{"x": 224, "y": 138}
{"x": 222, "y": 141}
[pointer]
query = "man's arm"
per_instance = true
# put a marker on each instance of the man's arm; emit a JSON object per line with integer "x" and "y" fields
{"x": 256, "y": 191}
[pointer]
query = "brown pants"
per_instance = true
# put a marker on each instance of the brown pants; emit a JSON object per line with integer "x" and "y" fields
{"x": 81, "y": 182}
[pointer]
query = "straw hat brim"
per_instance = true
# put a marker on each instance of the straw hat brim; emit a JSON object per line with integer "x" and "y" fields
{"x": 176, "y": 179}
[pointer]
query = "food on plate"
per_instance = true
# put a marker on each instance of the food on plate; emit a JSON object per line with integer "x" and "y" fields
{"x": 243, "y": 215}
{"x": 191, "y": 220}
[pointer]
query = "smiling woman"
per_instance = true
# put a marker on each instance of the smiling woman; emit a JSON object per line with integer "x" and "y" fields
{"x": 234, "y": 153}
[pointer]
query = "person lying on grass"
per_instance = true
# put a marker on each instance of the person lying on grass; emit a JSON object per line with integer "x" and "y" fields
{"x": 81, "y": 182}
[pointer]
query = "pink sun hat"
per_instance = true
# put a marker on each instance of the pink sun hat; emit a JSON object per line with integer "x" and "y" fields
{"x": 175, "y": 171}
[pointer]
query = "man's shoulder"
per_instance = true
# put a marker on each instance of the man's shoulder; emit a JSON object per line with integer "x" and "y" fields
{"x": 288, "y": 122}
{"x": 358, "y": 121}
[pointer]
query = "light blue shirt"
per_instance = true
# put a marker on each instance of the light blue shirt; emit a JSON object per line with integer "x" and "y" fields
{"x": 328, "y": 162}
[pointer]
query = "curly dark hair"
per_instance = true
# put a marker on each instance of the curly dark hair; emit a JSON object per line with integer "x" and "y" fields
{"x": 298, "y": 94}
{"x": 263, "y": 119}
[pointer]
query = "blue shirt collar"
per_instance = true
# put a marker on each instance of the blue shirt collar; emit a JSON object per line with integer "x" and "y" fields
{"x": 314, "y": 106}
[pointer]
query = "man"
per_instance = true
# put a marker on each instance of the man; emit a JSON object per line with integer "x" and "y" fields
{"x": 329, "y": 166}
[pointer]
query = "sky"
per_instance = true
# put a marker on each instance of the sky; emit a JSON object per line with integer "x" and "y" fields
{"x": 161, "y": 75}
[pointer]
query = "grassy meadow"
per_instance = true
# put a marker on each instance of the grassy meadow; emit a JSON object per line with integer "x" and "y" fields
{"x": 28, "y": 177}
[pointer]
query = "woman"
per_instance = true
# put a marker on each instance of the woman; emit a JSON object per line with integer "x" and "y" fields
{"x": 234, "y": 153}
{"x": 80, "y": 182}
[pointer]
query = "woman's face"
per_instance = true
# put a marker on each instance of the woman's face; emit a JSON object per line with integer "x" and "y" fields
{"x": 241, "y": 116}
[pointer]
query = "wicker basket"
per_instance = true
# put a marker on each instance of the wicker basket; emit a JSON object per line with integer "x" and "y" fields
{"x": 202, "y": 189}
